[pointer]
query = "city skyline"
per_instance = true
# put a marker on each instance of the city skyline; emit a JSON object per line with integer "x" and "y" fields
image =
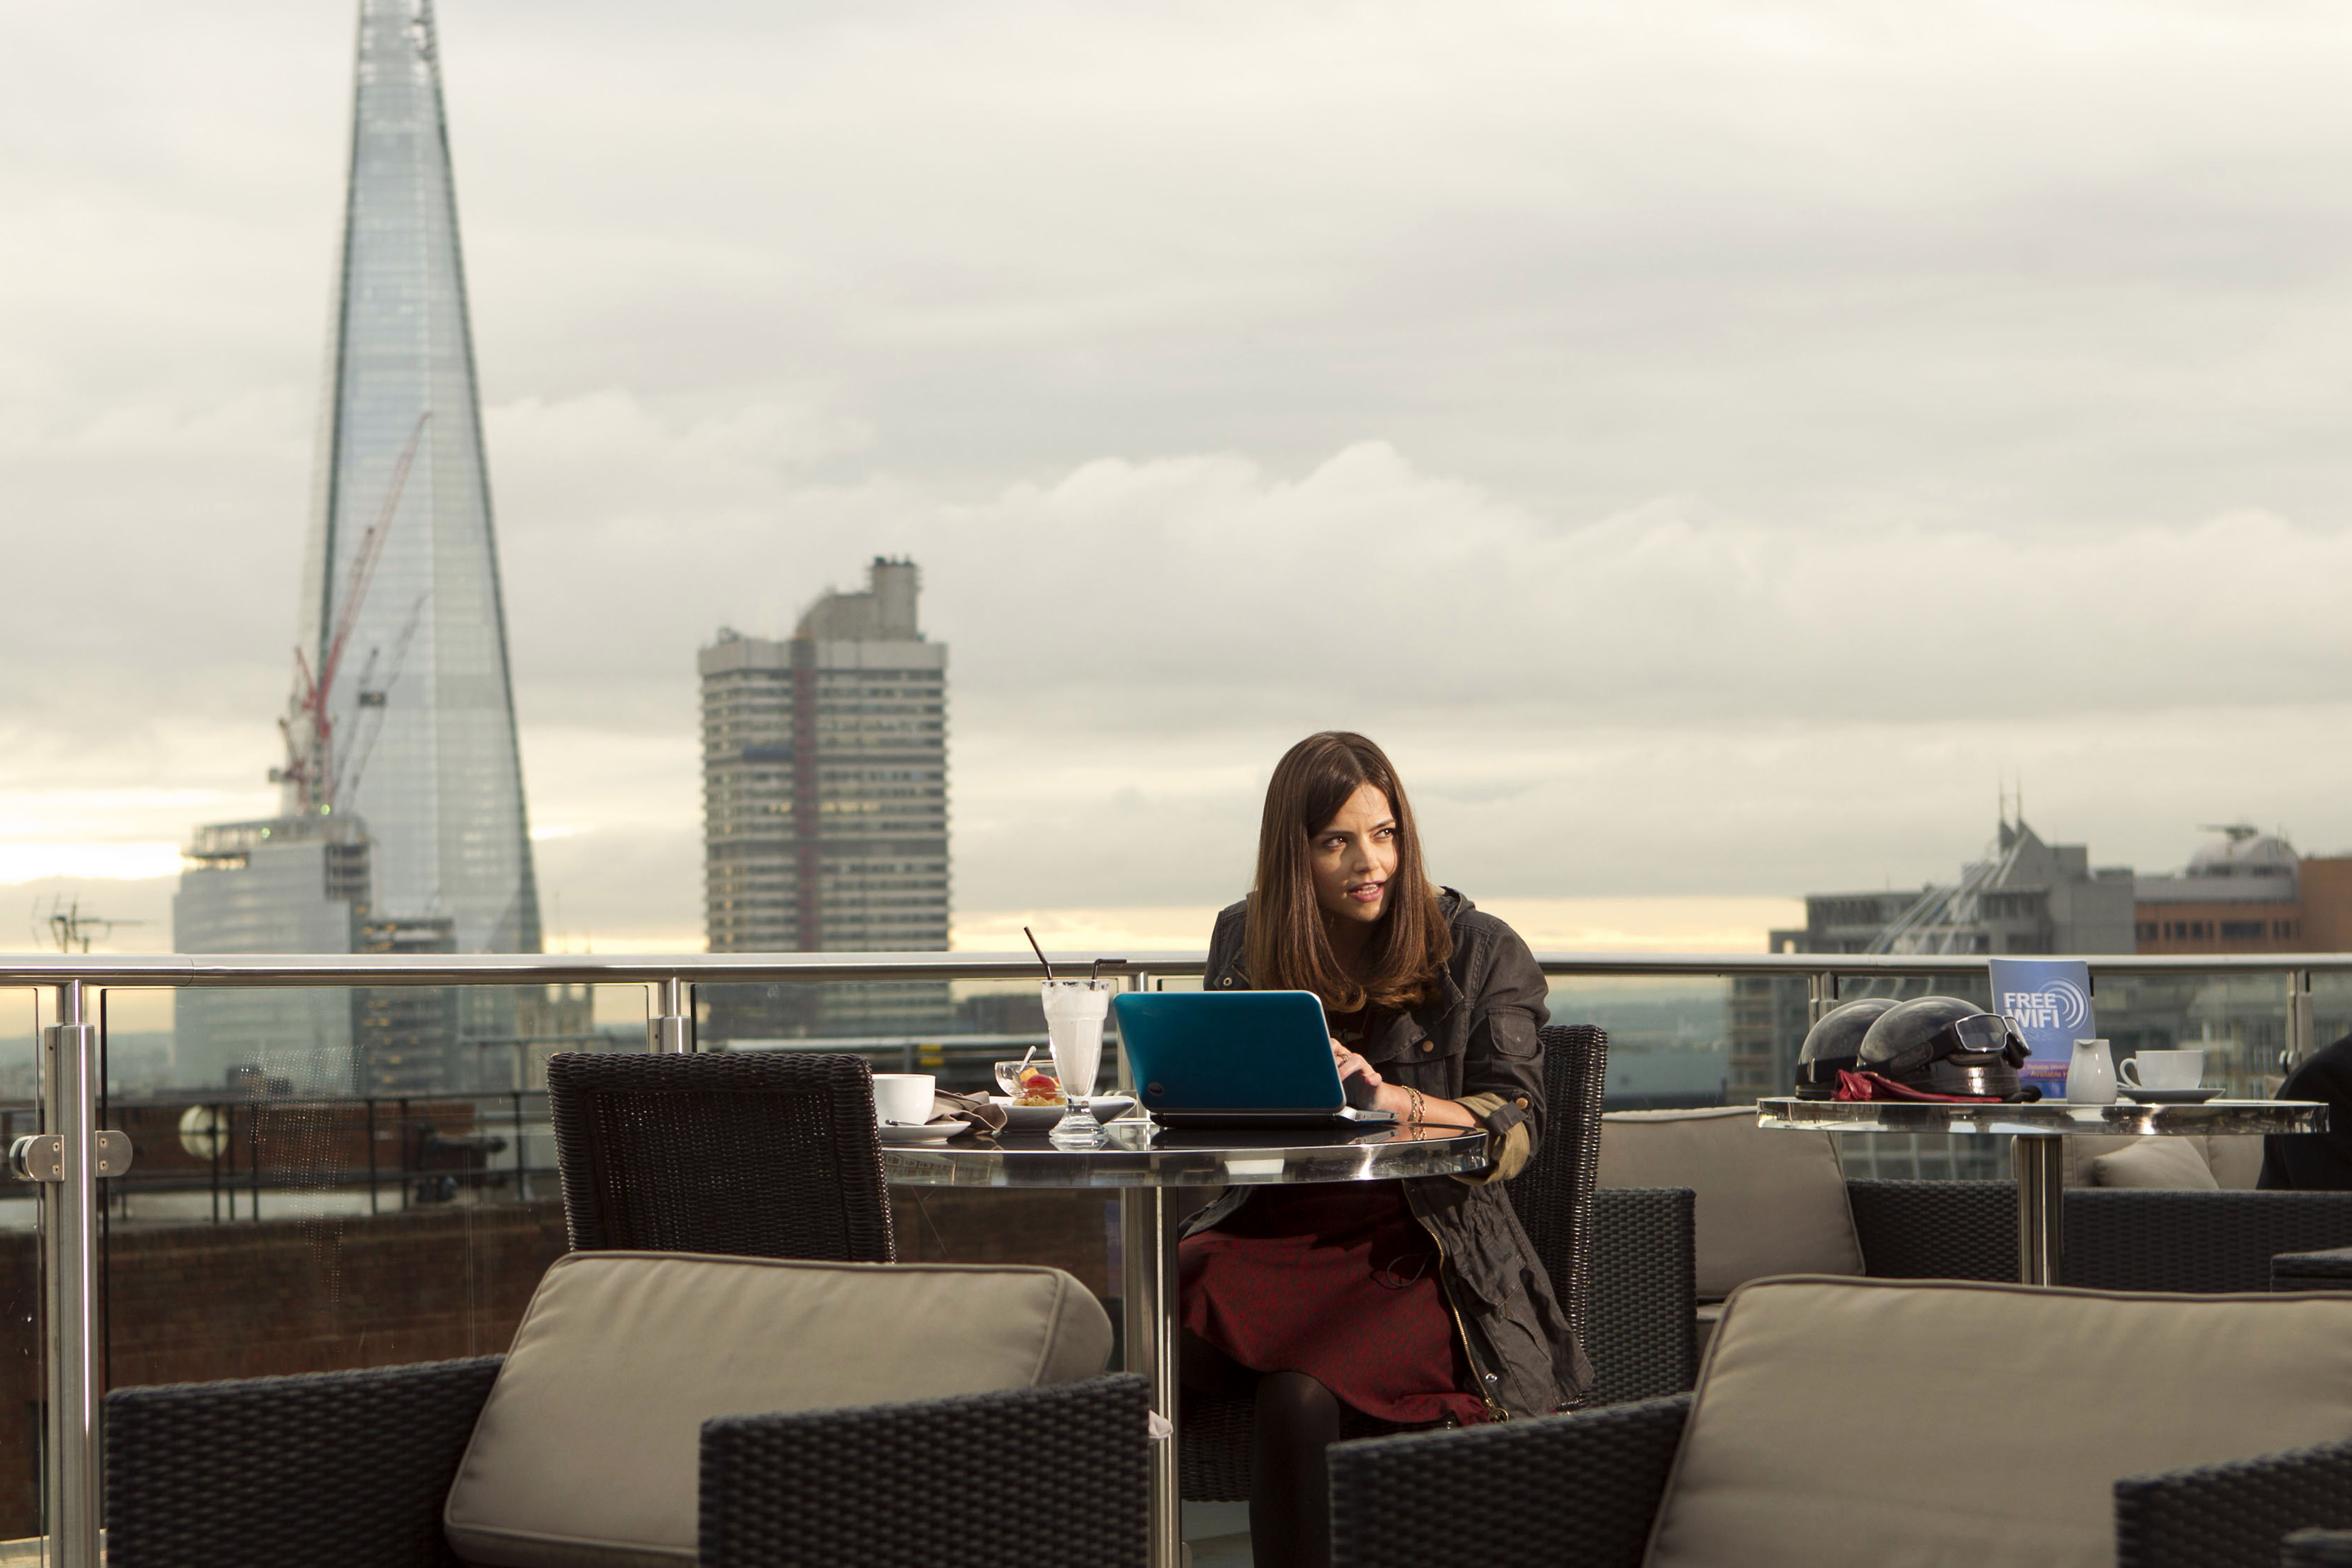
{"x": 1722, "y": 529}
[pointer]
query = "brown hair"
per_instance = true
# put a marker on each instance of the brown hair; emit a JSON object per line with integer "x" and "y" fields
{"x": 1288, "y": 946}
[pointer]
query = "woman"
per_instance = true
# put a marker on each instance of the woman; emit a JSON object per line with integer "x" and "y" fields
{"x": 1402, "y": 1304}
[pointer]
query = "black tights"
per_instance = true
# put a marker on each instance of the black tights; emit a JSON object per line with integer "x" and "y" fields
{"x": 1297, "y": 1419}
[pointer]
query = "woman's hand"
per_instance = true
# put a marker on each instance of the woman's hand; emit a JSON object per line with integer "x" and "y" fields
{"x": 1394, "y": 1098}
{"x": 1350, "y": 1065}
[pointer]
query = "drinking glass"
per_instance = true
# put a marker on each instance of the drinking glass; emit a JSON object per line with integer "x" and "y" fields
{"x": 1075, "y": 1011}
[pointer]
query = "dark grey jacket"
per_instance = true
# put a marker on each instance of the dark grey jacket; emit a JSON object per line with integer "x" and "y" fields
{"x": 1475, "y": 1043}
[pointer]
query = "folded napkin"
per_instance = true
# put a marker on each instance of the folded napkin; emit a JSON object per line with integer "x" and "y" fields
{"x": 975, "y": 1110}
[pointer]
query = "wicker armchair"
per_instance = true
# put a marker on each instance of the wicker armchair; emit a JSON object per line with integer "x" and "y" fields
{"x": 352, "y": 1468}
{"x": 2330, "y": 1268}
{"x": 1645, "y": 1301}
{"x": 1554, "y": 1199}
{"x": 755, "y": 1155}
{"x": 1590, "y": 1485}
{"x": 2129, "y": 1239}
{"x": 799, "y": 1490}
{"x": 2317, "y": 1549}
{"x": 2117, "y": 1239}
{"x": 1641, "y": 1340}
{"x": 1553, "y": 1195}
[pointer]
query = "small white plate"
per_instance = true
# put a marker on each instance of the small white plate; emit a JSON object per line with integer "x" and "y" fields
{"x": 929, "y": 1133}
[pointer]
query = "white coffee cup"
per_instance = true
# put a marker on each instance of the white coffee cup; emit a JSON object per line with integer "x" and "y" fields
{"x": 904, "y": 1097}
{"x": 2163, "y": 1070}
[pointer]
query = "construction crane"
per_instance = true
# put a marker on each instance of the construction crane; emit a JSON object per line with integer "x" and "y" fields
{"x": 374, "y": 696}
{"x": 309, "y": 726}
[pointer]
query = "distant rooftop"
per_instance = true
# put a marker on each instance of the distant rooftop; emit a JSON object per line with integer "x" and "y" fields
{"x": 2243, "y": 865}
{"x": 883, "y": 612}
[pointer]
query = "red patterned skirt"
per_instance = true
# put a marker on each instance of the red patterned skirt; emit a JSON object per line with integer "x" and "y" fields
{"x": 1339, "y": 1281}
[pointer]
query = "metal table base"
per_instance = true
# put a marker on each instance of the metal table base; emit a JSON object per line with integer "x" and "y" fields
{"x": 2040, "y": 1160}
{"x": 1142, "y": 1162}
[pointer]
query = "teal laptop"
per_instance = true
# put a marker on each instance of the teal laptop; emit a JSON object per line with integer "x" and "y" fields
{"x": 1235, "y": 1058}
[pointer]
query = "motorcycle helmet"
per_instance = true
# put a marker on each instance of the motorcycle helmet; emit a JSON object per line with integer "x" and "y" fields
{"x": 1831, "y": 1045}
{"x": 1944, "y": 1046}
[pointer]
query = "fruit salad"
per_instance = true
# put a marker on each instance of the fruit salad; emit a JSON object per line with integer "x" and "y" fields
{"x": 1038, "y": 1088}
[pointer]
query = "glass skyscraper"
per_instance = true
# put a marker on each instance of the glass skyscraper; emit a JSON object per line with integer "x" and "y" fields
{"x": 404, "y": 827}
{"x": 422, "y": 707}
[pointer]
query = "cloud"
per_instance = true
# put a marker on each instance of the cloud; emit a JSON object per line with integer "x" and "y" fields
{"x": 1668, "y": 699}
{"x": 1709, "y": 443}
{"x": 1209, "y": 592}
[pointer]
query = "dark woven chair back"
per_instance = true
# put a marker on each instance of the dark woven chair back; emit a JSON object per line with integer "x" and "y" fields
{"x": 1554, "y": 1193}
{"x": 752, "y": 1155}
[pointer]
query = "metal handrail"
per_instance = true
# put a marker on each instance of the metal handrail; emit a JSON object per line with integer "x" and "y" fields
{"x": 272, "y": 970}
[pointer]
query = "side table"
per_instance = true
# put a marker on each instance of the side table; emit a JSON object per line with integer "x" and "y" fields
{"x": 2040, "y": 1130}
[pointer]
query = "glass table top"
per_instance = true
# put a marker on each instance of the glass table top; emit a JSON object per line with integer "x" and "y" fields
{"x": 2215, "y": 1117}
{"x": 1139, "y": 1154}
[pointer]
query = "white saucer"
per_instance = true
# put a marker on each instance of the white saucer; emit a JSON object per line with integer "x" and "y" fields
{"x": 929, "y": 1133}
{"x": 2167, "y": 1096}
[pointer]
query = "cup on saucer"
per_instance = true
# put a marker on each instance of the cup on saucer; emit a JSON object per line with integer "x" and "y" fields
{"x": 904, "y": 1098}
{"x": 2174, "y": 1069}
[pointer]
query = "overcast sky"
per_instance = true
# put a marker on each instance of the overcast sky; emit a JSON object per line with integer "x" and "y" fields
{"x": 1713, "y": 445}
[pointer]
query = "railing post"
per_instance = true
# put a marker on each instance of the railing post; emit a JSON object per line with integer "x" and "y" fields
{"x": 1140, "y": 982}
{"x": 69, "y": 1244}
{"x": 1821, "y": 989}
{"x": 670, "y": 1032}
{"x": 2299, "y": 1025}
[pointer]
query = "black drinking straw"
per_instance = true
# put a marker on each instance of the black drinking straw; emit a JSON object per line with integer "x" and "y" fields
{"x": 1038, "y": 951}
{"x": 1049, "y": 976}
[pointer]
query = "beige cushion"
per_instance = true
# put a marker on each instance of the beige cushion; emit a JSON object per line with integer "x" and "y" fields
{"x": 2082, "y": 1150}
{"x": 1825, "y": 1404}
{"x": 587, "y": 1451}
{"x": 1769, "y": 1201}
{"x": 2176, "y": 1164}
{"x": 2237, "y": 1163}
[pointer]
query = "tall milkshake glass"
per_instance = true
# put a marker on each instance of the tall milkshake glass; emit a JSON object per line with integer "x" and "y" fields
{"x": 1074, "y": 1010}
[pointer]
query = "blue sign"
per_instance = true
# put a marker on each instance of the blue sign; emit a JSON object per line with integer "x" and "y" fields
{"x": 2049, "y": 999}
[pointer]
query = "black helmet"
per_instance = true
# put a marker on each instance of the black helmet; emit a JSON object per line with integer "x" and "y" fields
{"x": 1944, "y": 1046}
{"x": 1831, "y": 1045}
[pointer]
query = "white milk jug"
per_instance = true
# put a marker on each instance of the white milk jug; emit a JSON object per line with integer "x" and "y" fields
{"x": 2090, "y": 1076}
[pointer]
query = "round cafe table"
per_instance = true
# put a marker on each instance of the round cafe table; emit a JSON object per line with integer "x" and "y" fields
{"x": 1141, "y": 1160}
{"x": 2040, "y": 1130}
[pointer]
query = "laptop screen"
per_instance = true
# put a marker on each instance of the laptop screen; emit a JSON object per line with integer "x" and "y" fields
{"x": 1236, "y": 1050}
